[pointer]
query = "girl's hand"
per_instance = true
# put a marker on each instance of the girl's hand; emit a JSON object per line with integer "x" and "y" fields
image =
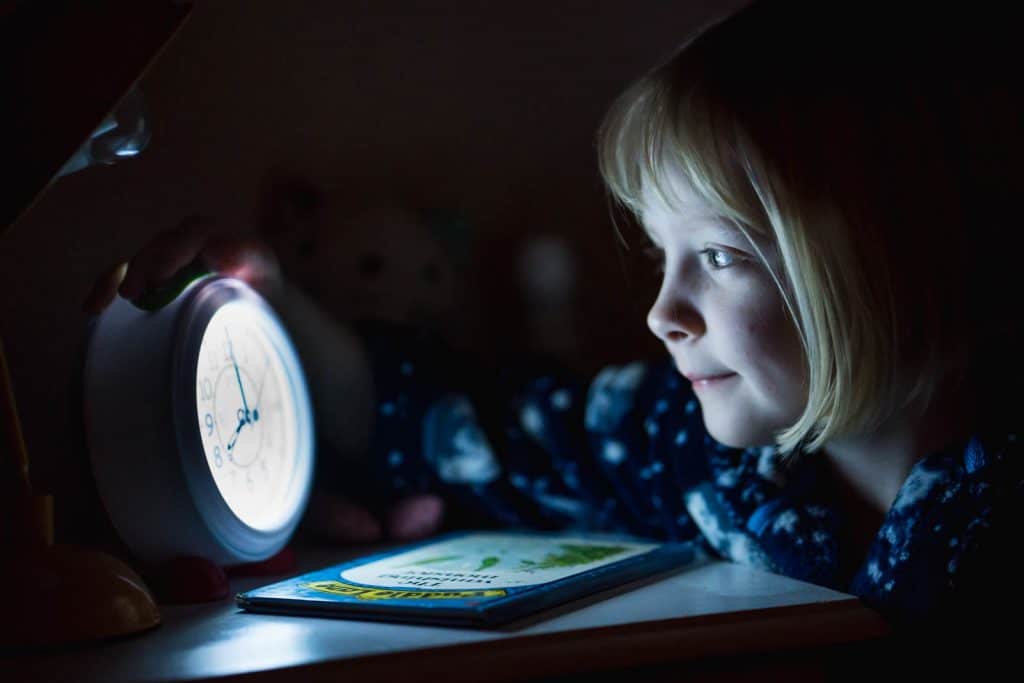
{"x": 338, "y": 519}
{"x": 245, "y": 258}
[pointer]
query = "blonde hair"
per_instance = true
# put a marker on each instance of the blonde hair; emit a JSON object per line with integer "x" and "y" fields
{"x": 851, "y": 164}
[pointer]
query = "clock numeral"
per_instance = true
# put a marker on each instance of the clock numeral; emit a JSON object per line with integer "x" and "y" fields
{"x": 206, "y": 389}
{"x": 209, "y": 424}
{"x": 217, "y": 460}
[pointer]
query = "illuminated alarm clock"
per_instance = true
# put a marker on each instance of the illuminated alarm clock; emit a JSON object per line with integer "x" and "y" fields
{"x": 198, "y": 423}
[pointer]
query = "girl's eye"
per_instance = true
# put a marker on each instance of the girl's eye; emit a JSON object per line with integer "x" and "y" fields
{"x": 718, "y": 259}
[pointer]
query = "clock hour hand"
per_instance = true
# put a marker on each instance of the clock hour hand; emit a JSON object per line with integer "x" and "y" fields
{"x": 234, "y": 437}
{"x": 238, "y": 375}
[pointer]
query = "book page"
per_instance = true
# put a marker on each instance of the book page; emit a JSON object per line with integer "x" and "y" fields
{"x": 493, "y": 560}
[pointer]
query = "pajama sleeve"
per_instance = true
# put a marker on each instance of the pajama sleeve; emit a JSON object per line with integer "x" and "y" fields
{"x": 525, "y": 443}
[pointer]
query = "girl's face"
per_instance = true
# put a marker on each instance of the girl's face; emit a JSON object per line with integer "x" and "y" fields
{"x": 722, "y": 318}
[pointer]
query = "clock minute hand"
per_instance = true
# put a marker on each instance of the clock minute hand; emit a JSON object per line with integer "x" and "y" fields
{"x": 238, "y": 375}
{"x": 259, "y": 393}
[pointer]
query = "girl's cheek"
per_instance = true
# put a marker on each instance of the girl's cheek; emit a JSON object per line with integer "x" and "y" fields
{"x": 776, "y": 342}
{"x": 789, "y": 364}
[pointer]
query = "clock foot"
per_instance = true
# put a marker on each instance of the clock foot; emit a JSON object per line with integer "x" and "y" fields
{"x": 281, "y": 563}
{"x": 197, "y": 579}
{"x": 189, "y": 579}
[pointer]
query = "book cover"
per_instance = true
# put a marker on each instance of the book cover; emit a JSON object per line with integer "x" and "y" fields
{"x": 482, "y": 579}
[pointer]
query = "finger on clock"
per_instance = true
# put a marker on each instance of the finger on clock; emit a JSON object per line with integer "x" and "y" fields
{"x": 415, "y": 517}
{"x": 156, "y": 262}
{"x": 104, "y": 289}
{"x": 341, "y": 520}
{"x": 247, "y": 259}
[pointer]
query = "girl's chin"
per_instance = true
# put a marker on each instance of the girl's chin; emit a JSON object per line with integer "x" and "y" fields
{"x": 739, "y": 433}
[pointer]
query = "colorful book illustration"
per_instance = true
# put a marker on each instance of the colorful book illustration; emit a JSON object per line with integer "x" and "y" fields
{"x": 472, "y": 578}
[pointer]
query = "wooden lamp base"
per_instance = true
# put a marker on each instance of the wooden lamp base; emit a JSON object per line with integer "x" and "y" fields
{"x": 63, "y": 594}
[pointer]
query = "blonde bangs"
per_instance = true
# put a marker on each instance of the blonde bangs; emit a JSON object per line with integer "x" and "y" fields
{"x": 653, "y": 134}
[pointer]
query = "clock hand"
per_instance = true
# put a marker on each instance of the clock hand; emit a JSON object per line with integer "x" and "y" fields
{"x": 238, "y": 375}
{"x": 259, "y": 392}
{"x": 234, "y": 437}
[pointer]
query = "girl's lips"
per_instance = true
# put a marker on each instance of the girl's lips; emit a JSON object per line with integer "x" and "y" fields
{"x": 706, "y": 381}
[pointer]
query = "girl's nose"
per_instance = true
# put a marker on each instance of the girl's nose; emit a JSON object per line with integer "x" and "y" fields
{"x": 674, "y": 318}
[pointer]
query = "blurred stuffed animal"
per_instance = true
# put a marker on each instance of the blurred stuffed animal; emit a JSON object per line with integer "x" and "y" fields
{"x": 366, "y": 262}
{"x": 345, "y": 263}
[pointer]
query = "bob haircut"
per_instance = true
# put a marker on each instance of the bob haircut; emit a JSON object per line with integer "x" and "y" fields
{"x": 878, "y": 164}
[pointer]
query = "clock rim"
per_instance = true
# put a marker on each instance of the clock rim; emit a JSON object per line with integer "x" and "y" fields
{"x": 229, "y": 530}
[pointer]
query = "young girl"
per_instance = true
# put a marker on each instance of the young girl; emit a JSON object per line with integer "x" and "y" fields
{"x": 827, "y": 195}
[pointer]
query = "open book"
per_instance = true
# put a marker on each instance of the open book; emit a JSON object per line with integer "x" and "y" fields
{"x": 472, "y": 578}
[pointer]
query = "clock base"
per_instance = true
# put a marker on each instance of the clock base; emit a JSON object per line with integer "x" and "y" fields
{"x": 281, "y": 563}
{"x": 197, "y": 579}
{"x": 187, "y": 580}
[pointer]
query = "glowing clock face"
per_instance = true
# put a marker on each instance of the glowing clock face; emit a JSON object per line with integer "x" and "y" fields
{"x": 248, "y": 413}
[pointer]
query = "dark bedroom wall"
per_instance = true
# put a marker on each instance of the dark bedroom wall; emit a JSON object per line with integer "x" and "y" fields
{"x": 487, "y": 107}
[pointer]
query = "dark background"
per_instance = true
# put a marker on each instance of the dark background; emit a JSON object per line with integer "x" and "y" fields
{"x": 486, "y": 108}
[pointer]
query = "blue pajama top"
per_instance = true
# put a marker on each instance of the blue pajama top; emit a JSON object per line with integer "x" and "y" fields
{"x": 530, "y": 445}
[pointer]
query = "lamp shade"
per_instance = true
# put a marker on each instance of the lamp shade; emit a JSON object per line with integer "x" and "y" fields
{"x": 64, "y": 66}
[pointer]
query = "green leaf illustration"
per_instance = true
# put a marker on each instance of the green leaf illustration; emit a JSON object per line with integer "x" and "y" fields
{"x": 432, "y": 560}
{"x": 487, "y": 562}
{"x": 573, "y": 556}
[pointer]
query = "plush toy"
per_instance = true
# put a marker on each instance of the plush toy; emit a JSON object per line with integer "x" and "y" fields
{"x": 548, "y": 281}
{"x": 346, "y": 262}
{"x": 367, "y": 261}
